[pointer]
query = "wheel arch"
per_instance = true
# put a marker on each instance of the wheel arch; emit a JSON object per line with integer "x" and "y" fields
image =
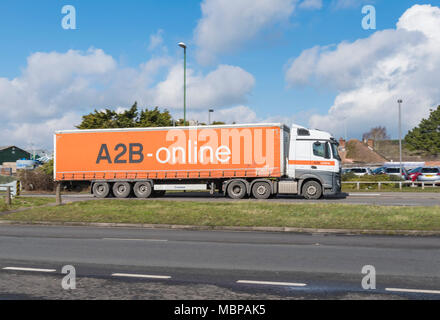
{"x": 307, "y": 178}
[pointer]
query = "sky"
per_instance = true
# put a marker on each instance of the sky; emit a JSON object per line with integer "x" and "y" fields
{"x": 318, "y": 63}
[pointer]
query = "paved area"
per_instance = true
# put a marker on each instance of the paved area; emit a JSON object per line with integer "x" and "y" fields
{"x": 176, "y": 264}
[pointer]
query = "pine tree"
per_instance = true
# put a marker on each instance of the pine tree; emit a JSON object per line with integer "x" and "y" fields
{"x": 426, "y": 137}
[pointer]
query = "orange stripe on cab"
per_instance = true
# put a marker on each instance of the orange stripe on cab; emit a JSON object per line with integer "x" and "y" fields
{"x": 311, "y": 163}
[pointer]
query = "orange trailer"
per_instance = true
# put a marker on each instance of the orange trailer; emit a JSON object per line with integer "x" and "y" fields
{"x": 175, "y": 158}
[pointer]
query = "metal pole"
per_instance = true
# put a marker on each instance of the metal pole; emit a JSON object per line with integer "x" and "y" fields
{"x": 400, "y": 136}
{"x": 184, "y": 87}
{"x": 209, "y": 115}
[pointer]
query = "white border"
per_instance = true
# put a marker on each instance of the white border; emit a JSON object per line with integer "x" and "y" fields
{"x": 174, "y": 128}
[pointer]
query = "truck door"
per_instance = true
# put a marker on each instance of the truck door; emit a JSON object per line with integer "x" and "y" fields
{"x": 322, "y": 164}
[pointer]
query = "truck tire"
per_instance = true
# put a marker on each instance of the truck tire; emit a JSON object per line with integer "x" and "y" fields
{"x": 312, "y": 190}
{"x": 142, "y": 189}
{"x": 261, "y": 190}
{"x": 121, "y": 189}
{"x": 101, "y": 189}
{"x": 236, "y": 190}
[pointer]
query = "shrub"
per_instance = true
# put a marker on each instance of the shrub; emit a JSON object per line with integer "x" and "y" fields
{"x": 37, "y": 179}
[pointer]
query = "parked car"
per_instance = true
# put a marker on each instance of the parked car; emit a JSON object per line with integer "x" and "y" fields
{"x": 380, "y": 170}
{"x": 412, "y": 174}
{"x": 426, "y": 174}
{"x": 361, "y": 171}
{"x": 396, "y": 172}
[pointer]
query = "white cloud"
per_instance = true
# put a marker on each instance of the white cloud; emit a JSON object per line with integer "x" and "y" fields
{"x": 156, "y": 40}
{"x": 311, "y": 4}
{"x": 228, "y": 24}
{"x": 371, "y": 74}
{"x": 227, "y": 85}
{"x": 55, "y": 89}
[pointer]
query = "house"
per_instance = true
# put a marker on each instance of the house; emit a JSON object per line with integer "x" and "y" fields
{"x": 12, "y": 154}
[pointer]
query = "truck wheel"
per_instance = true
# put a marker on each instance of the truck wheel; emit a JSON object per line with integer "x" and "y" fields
{"x": 121, "y": 189}
{"x": 142, "y": 189}
{"x": 312, "y": 190}
{"x": 236, "y": 190}
{"x": 101, "y": 189}
{"x": 261, "y": 190}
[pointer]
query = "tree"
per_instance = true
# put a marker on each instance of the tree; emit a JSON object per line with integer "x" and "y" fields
{"x": 154, "y": 118}
{"x": 426, "y": 137}
{"x": 377, "y": 133}
{"x": 130, "y": 118}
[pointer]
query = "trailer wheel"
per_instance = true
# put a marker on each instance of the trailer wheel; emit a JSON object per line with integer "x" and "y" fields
{"x": 236, "y": 190}
{"x": 142, "y": 189}
{"x": 261, "y": 190}
{"x": 121, "y": 189}
{"x": 312, "y": 190}
{"x": 101, "y": 189}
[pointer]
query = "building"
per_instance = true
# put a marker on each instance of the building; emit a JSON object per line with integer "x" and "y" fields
{"x": 12, "y": 154}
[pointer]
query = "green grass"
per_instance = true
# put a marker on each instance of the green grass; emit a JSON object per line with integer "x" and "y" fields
{"x": 6, "y": 179}
{"x": 255, "y": 214}
{"x": 24, "y": 202}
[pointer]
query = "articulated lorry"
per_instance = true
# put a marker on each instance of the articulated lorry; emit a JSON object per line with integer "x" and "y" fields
{"x": 257, "y": 160}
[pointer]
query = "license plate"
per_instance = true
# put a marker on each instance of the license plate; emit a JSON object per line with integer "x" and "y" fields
{"x": 429, "y": 175}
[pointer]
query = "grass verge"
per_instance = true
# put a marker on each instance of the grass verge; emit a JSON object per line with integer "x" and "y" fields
{"x": 240, "y": 214}
{"x": 24, "y": 202}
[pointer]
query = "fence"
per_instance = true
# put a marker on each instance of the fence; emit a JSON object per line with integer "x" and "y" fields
{"x": 400, "y": 183}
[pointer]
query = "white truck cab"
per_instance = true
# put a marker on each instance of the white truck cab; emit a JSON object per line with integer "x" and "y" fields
{"x": 314, "y": 162}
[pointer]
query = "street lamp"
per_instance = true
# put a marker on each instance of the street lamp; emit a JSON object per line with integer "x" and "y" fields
{"x": 209, "y": 115}
{"x": 400, "y": 101}
{"x": 183, "y": 45}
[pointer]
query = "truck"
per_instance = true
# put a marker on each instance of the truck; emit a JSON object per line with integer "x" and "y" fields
{"x": 241, "y": 160}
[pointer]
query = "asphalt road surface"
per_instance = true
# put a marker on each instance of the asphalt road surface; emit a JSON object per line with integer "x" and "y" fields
{"x": 384, "y": 198}
{"x": 120, "y": 263}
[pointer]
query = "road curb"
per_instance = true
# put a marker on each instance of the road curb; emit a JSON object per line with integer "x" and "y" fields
{"x": 220, "y": 228}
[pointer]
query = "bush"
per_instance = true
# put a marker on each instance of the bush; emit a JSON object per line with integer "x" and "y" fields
{"x": 374, "y": 178}
{"x": 38, "y": 179}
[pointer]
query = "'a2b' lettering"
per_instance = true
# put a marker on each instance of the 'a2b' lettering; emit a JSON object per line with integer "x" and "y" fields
{"x": 135, "y": 154}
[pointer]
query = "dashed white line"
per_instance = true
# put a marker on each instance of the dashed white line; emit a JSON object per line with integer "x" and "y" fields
{"x": 29, "y": 269}
{"x": 270, "y": 283}
{"x": 146, "y": 276}
{"x": 413, "y": 290}
{"x": 148, "y": 240}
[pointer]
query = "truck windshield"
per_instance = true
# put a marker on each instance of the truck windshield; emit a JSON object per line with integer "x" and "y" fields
{"x": 335, "y": 151}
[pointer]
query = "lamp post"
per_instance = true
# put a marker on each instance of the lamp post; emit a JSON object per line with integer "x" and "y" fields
{"x": 209, "y": 115}
{"x": 183, "y": 45}
{"x": 400, "y": 101}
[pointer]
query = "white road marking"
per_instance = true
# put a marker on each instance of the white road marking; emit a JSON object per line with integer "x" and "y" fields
{"x": 148, "y": 240}
{"x": 29, "y": 269}
{"x": 270, "y": 283}
{"x": 128, "y": 275}
{"x": 413, "y": 290}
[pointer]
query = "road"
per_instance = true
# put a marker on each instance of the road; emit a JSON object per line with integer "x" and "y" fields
{"x": 383, "y": 199}
{"x": 123, "y": 263}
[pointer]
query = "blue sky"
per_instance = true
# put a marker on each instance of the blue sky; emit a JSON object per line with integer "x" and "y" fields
{"x": 262, "y": 61}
